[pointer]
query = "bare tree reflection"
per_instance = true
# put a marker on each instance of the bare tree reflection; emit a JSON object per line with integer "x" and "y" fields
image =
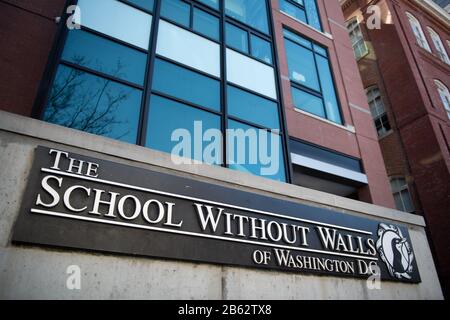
{"x": 88, "y": 103}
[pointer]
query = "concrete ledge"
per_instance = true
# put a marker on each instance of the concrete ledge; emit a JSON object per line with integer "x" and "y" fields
{"x": 42, "y": 130}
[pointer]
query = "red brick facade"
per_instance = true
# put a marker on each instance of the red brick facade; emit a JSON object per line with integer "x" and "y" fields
{"x": 418, "y": 146}
{"x": 361, "y": 142}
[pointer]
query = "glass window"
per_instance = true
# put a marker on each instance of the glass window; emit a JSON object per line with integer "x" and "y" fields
{"x": 444, "y": 95}
{"x": 251, "y": 74}
{"x": 261, "y": 49}
{"x": 212, "y": 3}
{"x": 177, "y": 11}
{"x": 328, "y": 91}
{"x": 252, "y": 108}
{"x": 237, "y": 38}
{"x": 401, "y": 194}
{"x": 108, "y": 57}
{"x": 206, "y": 24}
{"x": 311, "y": 78}
{"x": 303, "y": 10}
{"x": 146, "y": 4}
{"x": 418, "y": 32}
{"x": 293, "y": 10}
{"x": 302, "y": 68}
{"x": 357, "y": 39}
{"x": 442, "y": 53}
{"x": 188, "y": 48}
{"x": 117, "y": 20}
{"x": 250, "y": 12}
{"x": 313, "y": 14}
{"x": 167, "y": 116}
{"x": 308, "y": 102}
{"x": 92, "y": 104}
{"x": 187, "y": 85}
{"x": 244, "y": 148}
{"x": 378, "y": 111}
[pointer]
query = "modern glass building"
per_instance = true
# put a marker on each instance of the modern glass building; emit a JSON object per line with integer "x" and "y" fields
{"x": 162, "y": 66}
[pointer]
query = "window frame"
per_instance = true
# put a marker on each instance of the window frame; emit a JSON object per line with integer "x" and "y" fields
{"x": 303, "y": 8}
{"x": 404, "y": 187}
{"x": 379, "y": 117}
{"x": 357, "y": 26}
{"x": 421, "y": 39}
{"x": 444, "y": 93}
{"x": 439, "y": 46}
{"x": 319, "y": 94}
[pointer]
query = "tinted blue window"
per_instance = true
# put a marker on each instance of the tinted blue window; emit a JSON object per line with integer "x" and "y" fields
{"x": 187, "y": 85}
{"x": 329, "y": 93}
{"x": 176, "y": 10}
{"x": 249, "y": 159}
{"x": 303, "y": 10}
{"x": 206, "y": 24}
{"x": 293, "y": 10}
{"x": 301, "y": 64}
{"x": 92, "y": 104}
{"x": 297, "y": 39}
{"x": 252, "y": 108}
{"x": 236, "y": 38}
{"x": 250, "y": 12}
{"x": 146, "y": 4}
{"x": 261, "y": 49}
{"x": 212, "y": 3}
{"x": 108, "y": 57}
{"x": 313, "y": 14}
{"x": 320, "y": 50}
{"x": 308, "y": 102}
{"x": 167, "y": 116}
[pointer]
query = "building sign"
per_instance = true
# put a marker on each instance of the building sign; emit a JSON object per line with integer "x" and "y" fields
{"x": 74, "y": 201}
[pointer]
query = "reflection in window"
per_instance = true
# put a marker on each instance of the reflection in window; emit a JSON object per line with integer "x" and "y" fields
{"x": 401, "y": 194}
{"x": 311, "y": 79}
{"x": 109, "y": 57}
{"x": 253, "y": 108}
{"x": 177, "y": 11}
{"x": 93, "y": 104}
{"x": 357, "y": 39}
{"x": 242, "y": 40}
{"x": 187, "y": 85}
{"x": 303, "y": 10}
{"x": 378, "y": 111}
{"x": 250, "y": 12}
{"x": 206, "y": 24}
{"x": 261, "y": 49}
{"x": 237, "y": 38}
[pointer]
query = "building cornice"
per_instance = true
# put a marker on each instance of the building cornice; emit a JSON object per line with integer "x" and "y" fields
{"x": 435, "y": 10}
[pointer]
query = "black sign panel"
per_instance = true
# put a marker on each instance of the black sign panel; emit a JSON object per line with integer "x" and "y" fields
{"x": 75, "y": 201}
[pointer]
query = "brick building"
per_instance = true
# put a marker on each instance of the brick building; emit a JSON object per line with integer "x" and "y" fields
{"x": 115, "y": 79}
{"x": 405, "y": 68}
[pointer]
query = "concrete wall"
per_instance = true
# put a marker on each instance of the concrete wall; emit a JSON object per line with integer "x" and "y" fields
{"x": 40, "y": 273}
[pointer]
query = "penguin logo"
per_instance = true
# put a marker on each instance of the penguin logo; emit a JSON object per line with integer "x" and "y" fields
{"x": 395, "y": 251}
